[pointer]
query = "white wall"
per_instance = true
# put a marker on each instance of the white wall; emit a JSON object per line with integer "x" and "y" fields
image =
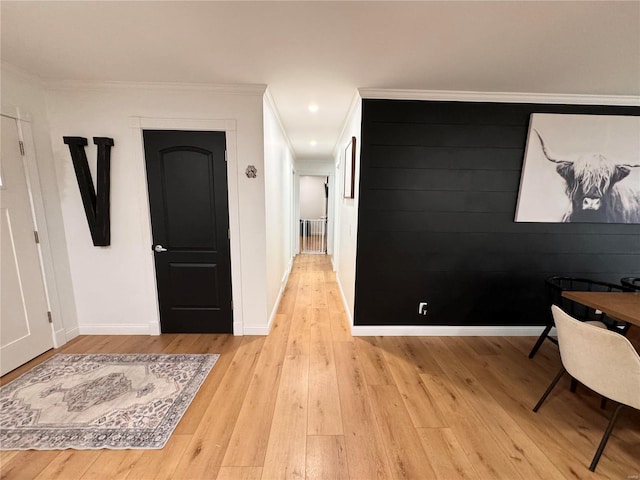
{"x": 115, "y": 286}
{"x": 278, "y": 177}
{"x": 346, "y": 221}
{"x": 312, "y": 197}
{"x": 24, "y": 95}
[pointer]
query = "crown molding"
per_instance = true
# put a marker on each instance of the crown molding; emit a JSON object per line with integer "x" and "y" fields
{"x": 500, "y": 97}
{"x": 269, "y": 100}
{"x": 240, "y": 89}
{"x": 356, "y": 101}
{"x": 22, "y": 74}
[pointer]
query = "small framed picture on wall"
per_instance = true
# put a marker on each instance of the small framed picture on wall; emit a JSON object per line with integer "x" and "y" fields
{"x": 350, "y": 168}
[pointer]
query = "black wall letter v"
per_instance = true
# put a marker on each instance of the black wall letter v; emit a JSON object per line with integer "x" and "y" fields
{"x": 96, "y": 202}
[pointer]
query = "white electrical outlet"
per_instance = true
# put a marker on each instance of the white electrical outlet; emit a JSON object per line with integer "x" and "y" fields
{"x": 422, "y": 308}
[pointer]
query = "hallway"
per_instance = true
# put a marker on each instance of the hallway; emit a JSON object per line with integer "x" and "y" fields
{"x": 311, "y": 401}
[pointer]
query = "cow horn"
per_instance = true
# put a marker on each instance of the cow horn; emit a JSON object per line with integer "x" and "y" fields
{"x": 629, "y": 165}
{"x": 544, "y": 150}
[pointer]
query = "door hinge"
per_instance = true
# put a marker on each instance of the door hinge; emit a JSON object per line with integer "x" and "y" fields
{"x": 49, "y": 317}
{"x": 225, "y": 155}
{"x": 37, "y": 237}
{"x": 229, "y": 233}
{"x": 231, "y": 304}
{"x": 21, "y": 144}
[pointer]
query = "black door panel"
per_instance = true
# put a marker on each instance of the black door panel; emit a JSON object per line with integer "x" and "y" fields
{"x": 187, "y": 179}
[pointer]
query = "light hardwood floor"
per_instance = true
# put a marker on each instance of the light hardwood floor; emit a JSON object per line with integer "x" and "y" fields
{"x": 311, "y": 401}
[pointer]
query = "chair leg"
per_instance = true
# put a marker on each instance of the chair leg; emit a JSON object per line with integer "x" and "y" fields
{"x": 605, "y": 438}
{"x": 625, "y": 328}
{"x": 549, "y": 388}
{"x": 574, "y": 385}
{"x": 541, "y": 338}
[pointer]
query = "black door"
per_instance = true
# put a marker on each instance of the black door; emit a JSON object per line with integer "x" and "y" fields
{"x": 187, "y": 179}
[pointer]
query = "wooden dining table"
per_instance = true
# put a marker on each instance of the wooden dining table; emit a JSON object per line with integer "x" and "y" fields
{"x": 623, "y": 306}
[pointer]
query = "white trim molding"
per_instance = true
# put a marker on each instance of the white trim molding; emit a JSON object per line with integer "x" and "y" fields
{"x": 274, "y": 311}
{"x": 60, "y": 336}
{"x": 111, "y": 329}
{"x": 446, "y": 331}
{"x": 15, "y": 112}
{"x": 355, "y": 102}
{"x": 500, "y": 97}
{"x": 240, "y": 89}
{"x": 268, "y": 98}
{"x": 138, "y": 124}
{"x": 257, "y": 331}
{"x": 183, "y": 123}
{"x": 71, "y": 333}
{"x": 437, "y": 330}
{"x": 154, "y": 328}
{"x": 347, "y": 310}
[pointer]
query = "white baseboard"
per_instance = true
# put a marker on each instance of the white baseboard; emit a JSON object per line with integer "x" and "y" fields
{"x": 274, "y": 310}
{"x": 59, "y": 338}
{"x": 344, "y": 303}
{"x": 154, "y": 328}
{"x": 248, "y": 330}
{"x": 63, "y": 336}
{"x": 437, "y": 330}
{"x": 237, "y": 329}
{"x": 122, "y": 329}
{"x": 445, "y": 331}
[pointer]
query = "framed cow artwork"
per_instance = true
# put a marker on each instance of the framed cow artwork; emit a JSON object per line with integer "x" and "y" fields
{"x": 581, "y": 169}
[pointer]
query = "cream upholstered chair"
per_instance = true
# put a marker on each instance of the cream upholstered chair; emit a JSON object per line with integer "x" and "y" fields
{"x": 603, "y": 360}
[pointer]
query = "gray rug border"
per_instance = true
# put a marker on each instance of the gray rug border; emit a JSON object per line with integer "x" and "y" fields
{"x": 170, "y": 422}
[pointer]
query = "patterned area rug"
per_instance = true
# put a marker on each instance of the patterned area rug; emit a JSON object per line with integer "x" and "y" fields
{"x": 100, "y": 401}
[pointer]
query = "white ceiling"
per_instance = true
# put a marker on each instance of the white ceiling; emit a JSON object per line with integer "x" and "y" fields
{"x": 323, "y": 51}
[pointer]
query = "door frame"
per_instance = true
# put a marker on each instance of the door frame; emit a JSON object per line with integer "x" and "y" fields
{"x": 315, "y": 171}
{"x": 138, "y": 124}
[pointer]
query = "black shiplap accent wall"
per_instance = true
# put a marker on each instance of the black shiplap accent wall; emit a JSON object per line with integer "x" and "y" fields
{"x": 438, "y": 188}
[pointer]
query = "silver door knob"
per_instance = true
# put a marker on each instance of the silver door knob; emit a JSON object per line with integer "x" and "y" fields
{"x": 159, "y": 248}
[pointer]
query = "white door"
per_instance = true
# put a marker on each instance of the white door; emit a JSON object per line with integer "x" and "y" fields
{"x": 24, "y": 325}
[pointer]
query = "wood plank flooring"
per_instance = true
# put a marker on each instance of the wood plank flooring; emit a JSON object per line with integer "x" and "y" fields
{"x": 310, "y": 401}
